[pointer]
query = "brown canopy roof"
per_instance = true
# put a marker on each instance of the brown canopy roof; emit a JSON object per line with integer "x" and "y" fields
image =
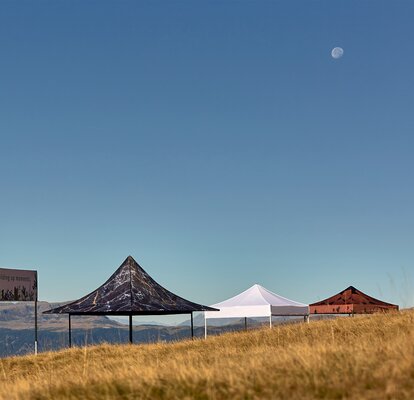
{"x": 130, "y": 291}
{"x": 350, "y": 301}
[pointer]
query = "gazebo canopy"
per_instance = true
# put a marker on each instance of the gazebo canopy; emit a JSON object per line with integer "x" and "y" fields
{"x": 257, "y": 301}
{"x": 130, "y": 291}
{"x": 350, "y": 301}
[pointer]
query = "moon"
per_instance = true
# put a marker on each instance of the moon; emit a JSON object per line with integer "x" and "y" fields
{"x": 337, "y": 52}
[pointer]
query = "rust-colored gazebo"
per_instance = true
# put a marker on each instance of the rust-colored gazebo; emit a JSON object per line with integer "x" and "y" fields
{"x": 351, "y": 301}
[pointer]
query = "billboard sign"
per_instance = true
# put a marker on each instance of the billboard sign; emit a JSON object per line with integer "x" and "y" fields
{"x": 18, "y": 285}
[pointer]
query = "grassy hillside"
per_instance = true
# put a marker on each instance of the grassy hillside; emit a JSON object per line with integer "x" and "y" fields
{"x": 368, "y": 357}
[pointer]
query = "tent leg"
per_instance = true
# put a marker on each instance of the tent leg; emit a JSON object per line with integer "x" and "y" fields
{"x": 270, "y": 322}
{"x": 192, "y": 326}
{"x": 70, "y": 331}
{"x": 245, "y": 323}
{"x": 130, "y": 329}
{"x": 35, "y": 341}
{"x": 205, "y": 326}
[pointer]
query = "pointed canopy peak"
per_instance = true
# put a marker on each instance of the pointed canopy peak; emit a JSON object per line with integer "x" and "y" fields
{"x": 255, "y": 290}
{"x": 130, "y": 263}
{"x": 130, "y": 289}
{"x": 124, "y": 272}
{"x": 256, "y": 287}
{"x": 353, "y": 289}
{"x": 351, "y": 295}
{"x": 130, "y": 259}
{"x": 256, "y": 295}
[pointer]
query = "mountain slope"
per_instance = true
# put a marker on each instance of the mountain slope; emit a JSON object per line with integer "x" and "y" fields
{"x": 17, "y": 330}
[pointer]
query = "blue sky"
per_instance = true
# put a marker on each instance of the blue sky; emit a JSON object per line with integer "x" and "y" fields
{"x": 216, "y": 142}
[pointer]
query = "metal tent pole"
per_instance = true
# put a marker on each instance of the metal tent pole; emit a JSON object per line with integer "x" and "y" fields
{"x": 130, "y": 328}
{"x": 130, "y": 296}
{"x": 70, "y": 332}
{"x": 245, "y": 323}
{"x": 36, "y": 288}
{"x": 270, "y": 321}
{"x": 192, "y": 326}
{"x": 205, "y": 326}
{"x": 35, "y": 341}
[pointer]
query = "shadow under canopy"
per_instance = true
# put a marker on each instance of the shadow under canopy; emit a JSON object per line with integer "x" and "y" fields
{"x": 130, "y": 291}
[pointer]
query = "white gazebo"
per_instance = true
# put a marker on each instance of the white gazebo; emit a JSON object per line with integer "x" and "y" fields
{"x": 256, "y": 301}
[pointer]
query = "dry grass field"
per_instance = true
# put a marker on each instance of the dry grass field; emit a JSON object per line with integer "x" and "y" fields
{"x": 370, "y": 357}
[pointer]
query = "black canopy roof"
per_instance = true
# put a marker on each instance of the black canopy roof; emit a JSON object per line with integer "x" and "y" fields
{"x": 130, "y": 291}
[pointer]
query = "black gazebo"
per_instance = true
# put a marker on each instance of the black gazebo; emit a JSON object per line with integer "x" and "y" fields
{"x": 130, "y": 291}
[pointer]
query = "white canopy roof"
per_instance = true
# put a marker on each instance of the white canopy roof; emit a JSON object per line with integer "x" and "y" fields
{"x": 257, "y": 302}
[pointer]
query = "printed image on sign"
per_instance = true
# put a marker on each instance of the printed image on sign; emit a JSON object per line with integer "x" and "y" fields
{"x": 18, "y": 285}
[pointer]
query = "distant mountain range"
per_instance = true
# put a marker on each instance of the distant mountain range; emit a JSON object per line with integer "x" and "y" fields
{"x": 17, "y": 329}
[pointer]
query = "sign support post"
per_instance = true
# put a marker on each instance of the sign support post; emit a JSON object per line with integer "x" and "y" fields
{"x": 36, "y": 320}
{"x": 35, "y": 343}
